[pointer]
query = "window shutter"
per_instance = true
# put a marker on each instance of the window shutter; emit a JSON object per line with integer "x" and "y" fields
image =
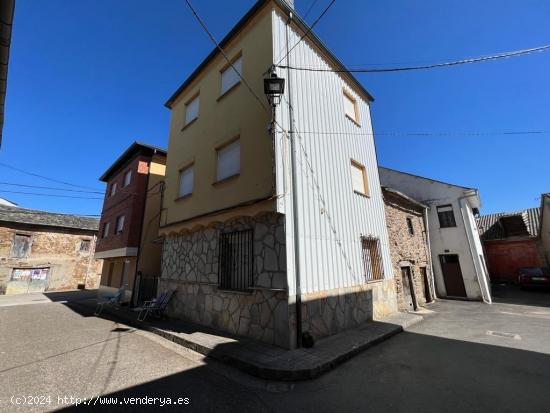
{"x": 229, "y": 160}
{"x": 192, "y": 110}
{"x": 229, "y": 77}
{"x": 358, "y": 178}
{"x": 349, "y": 107}
{"x": 186, "y": 181}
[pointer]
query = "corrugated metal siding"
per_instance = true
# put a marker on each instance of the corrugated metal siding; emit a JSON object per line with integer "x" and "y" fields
{"x": 332, "y": 217}
{"x": 490, "y": 229}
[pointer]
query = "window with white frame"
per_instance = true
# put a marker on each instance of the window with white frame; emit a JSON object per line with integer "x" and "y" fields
{"x": 113, "y": 189}
{"x": 229, "y": 160}
{"x": 187, "y": 177}
{"x": 105, "y": 232}
{"x": 350, "y": 107}
{"x": 192, "y": 110}
{"x": 119, "y": 224}
{"x": 359, "y": 181}
{"x": 229, "y": 76}
{"x": 127, "y": 178}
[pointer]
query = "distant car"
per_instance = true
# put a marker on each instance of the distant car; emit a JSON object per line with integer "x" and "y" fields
{"x": 534, "y": 277}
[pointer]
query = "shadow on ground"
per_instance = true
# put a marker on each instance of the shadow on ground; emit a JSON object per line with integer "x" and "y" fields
{"x": 513, "y": 294}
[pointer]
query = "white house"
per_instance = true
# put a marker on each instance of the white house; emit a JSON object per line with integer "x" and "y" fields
{"x": 459, "y": 263}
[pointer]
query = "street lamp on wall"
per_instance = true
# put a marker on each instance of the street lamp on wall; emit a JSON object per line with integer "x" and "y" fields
{"x": 274, "y": 87}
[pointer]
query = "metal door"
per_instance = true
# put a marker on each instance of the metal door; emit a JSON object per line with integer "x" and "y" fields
{"x": 28, "y": 280}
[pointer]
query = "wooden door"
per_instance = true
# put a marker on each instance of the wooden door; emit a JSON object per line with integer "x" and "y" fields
{"x": 452, "y": 275}
{"x": 406, "y": 282}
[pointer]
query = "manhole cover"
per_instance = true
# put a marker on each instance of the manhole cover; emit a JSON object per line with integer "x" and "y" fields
{"x": 503, "y": 334}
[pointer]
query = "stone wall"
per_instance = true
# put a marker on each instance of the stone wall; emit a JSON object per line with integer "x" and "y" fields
{"x": 58, "y": 250}
{"x": 328, "y": 312}
{"x": 190, "y": 267}
{"x": 406, "y": 249}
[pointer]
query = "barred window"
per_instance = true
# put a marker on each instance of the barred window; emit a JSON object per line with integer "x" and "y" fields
{"x": 372, "y": 259}
{"x": 235, "y": 267}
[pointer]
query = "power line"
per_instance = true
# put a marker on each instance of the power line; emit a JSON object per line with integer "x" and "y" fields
{"x": 307, "y": 32}
{"x": 43, "y": 177}
{"x": 50, "y": 187}
{"x": 24, "y": 211}
{"x": 465, "y": 133}
{"x": 213, "y": 39}
{"x": 51, "y": 195}
{"x": 504, "y": 55}
{"x": 310, "y": 8}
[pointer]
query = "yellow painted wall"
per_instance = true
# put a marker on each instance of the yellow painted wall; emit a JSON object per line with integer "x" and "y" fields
{"x": 150, "y": 253}
{"x": 221, "y": 119}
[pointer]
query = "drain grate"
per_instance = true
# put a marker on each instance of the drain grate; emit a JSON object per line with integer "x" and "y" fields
{"x": 503, "y": 334}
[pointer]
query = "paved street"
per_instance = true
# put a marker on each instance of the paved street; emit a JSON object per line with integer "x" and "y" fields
{"x": 463, "y": 357}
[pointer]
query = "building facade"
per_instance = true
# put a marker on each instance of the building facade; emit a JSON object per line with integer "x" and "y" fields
{"x": 460, "y": 269}
{"x": 409, "y": 248}
{"x": 43, "y": 251}
{"x": 128, "y": 238}
{"x": 511, "y": 241}
{"x": 245, "y": 250}
{"x": 545, "y": 228}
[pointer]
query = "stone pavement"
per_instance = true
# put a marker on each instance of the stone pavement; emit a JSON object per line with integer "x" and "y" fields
{"x": 259, "y": 359}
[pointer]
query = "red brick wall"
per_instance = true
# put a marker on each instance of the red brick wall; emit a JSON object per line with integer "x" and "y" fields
{"x": 128, "y": 201}
{"x": 505, "y": 258}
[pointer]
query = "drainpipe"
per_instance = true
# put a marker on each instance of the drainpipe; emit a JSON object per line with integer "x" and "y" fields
{"x": 296, "y": 229}
{"x": 429, "y": 253}
{"x": 470, "y": 247}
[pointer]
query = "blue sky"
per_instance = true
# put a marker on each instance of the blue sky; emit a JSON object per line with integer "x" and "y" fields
{"x": 86, "y": 78}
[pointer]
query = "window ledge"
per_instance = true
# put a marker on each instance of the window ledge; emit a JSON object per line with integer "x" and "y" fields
{"x": 189, "y": 124}
{"x": 353, "y": 120}
{"x": 228, "y": 91}
{"x": 228, "y": 179}
{"x": 241, "y": 292}
{"x": 375, "y": 281}
{"x": 361, "y": 193}
{"x": 181, "y": 198}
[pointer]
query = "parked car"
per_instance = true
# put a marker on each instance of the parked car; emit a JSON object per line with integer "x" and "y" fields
{"x": 534, "y": 277}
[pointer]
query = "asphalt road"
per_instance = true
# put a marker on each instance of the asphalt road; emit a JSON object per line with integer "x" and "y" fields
{"x": 464, "y": 357}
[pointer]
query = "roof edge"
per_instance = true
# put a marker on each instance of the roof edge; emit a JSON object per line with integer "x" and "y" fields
{"x": 426, "y": 178}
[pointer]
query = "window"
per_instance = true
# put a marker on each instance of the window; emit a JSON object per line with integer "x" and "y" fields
{"x": 372, "y": 260}
{"x": 350, "y": 107}
{"x": 410, "y": 226}
{"x": 113, "y": 189}
{"x": 446, "y": 216}
{"x": 229, "y": 77}
{"x": 127, "y": 178}
{"x": 105, "y": 232}
{"x": 229, "y": 160}
{"x": 119, "y": 224}
{"x": 187, "y": 176}
{"x": 235, "y": 268}
{"x": 359, "y": 180}
{"x": 21, "y": 246}
{"x": 85, "y": 245}
{"x": 192, "y": 110}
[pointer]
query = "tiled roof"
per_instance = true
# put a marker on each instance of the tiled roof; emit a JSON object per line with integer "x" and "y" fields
{"x": 47, "y": 219}
{"x": 491, "y": 226}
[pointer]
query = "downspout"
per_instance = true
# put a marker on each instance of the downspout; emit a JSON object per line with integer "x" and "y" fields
{"x": 296, "y": 229}
{"x": 470, "y": 247}
{"x": 429, "y": 253}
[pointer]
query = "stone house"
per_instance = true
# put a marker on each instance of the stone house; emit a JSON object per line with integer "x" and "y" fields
{"x": 459, "y": 263}
{"x": 44, "y": 251}
{"x": 128, "y": 243}
{"x": 271, "y": 233}
{"x": 409, "y": 248}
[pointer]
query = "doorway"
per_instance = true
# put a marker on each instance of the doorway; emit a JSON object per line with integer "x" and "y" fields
{"x": 408, "y": 289}
{"x": 452, "y": 275}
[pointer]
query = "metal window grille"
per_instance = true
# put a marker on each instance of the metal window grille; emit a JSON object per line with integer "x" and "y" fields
{"x": 235, "y": 268}
{"x": 372, "y": 259}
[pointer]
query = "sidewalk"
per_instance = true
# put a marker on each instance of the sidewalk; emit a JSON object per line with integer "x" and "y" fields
{"x": 262, "y": 360}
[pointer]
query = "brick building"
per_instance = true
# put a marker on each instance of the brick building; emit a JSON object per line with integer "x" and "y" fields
{"x": 44, "y": 251}
{"x": 410, "y": 254}
{"x": 128, "y": 237}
